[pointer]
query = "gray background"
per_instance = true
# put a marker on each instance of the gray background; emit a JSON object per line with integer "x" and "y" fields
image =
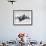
{"x": 37, "y": 31}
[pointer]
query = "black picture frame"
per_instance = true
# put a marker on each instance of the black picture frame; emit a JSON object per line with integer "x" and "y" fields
{"x": 23, "y": 24}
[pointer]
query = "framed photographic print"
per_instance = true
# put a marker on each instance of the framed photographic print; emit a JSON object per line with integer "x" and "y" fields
{"x": 22, "y": 17}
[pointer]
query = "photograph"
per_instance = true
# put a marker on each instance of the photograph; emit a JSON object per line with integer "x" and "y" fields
{"x": 22, "y": 17}
{"x": 22, "y": 22}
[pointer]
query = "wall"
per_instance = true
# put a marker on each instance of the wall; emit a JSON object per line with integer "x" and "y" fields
{"x": 37, "y": 31}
